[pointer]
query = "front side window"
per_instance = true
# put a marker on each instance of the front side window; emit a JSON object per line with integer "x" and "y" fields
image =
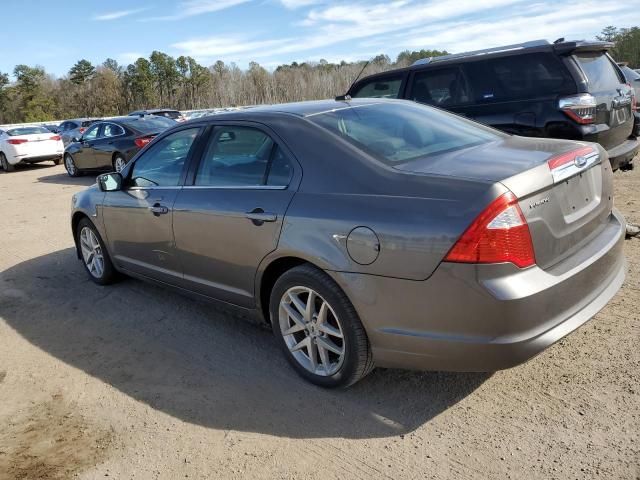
{"x": 91, "y": 134}
{"x": 445, "y": 87}
{"x": 400, "y": 132}
{"x": 241, "y": 157}
{"x": 161, "y": 165}
{"x": 380, "y": 88}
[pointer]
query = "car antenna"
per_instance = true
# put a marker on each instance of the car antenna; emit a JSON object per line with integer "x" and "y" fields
{"x": 347, "y": 97}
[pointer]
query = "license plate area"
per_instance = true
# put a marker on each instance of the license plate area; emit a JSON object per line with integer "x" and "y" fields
{"x": 580, "y": 193}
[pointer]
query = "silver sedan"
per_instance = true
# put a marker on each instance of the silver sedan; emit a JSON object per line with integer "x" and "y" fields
{"x": 369, "y": 232}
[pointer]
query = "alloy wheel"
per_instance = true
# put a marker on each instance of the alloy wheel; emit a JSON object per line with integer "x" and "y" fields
{"x": 312, "y": 331}
{"x": 119, "y": 164}
{"x": 91, "y": 252}
{"x": 69, "y": 165}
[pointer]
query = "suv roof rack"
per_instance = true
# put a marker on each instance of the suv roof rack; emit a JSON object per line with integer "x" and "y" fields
{"x": 506, "y": 48}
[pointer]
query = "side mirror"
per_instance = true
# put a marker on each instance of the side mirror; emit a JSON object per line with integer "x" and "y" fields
{"x": 110, "y": 182}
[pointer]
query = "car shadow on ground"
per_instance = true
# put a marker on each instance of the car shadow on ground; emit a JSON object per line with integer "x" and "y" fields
{"x": 64, "y": 179}
{"x": 202, "y": 364}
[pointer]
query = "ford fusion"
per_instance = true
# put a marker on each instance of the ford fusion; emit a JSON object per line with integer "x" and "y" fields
{"x": 367, "y": 232}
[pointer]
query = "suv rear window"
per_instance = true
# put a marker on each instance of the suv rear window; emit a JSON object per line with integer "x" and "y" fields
{"x": 380, "y": 88}
{"x": 517, "y": 77}
{"x": 600, "y": 72}
{"x": 397, "y": 132}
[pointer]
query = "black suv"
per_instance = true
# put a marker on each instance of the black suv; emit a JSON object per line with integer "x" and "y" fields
{"x": 571, "y": 90}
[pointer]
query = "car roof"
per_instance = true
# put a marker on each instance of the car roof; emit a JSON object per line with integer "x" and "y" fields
{"x": 300, "y": 109}
{"x": 560, "y": 47}
{"x": 154, "y": 110}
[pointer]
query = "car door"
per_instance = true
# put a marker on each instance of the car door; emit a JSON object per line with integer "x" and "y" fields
{"x": 139, "y": 218}
{"x": 230, "y": 217}
{"x": 85, "y": 158}
{"x": 104, "y": 146}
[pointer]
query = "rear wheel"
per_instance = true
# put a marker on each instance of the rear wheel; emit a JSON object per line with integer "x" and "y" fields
{"x": 6, "y": 166}
{"x": 70, "y": 166}
{"x": 95, "y": 256}
{"x": 119, "y": 163}
{"x": 318, "y": 329}
{"x": 57, "y": 160}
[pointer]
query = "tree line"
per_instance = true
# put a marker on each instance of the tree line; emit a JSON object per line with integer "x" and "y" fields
{"x": 111, "y": 89}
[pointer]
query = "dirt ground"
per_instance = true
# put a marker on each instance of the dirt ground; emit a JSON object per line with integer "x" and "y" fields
{"x": 132, "y": 381}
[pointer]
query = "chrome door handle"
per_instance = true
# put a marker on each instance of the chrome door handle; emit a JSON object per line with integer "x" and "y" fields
{"x": 158, "y": 209}
{"x": 259, "y": 216}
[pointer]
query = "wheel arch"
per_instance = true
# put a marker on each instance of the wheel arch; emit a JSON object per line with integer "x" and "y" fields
{"x": 268, "y": 277}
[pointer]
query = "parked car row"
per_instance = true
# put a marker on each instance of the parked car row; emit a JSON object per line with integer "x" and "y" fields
{"x": 568, "y": 90}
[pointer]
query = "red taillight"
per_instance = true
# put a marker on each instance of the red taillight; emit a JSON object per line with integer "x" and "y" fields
{"x": 82, "y": 129}
{"x": 634, "y": 100}
{"x": 499, "y": 234}
{"x": 569, "y": 157}
{"x": 55, "y": 137}
{"x": 581, "y": 108}
{"x": 141, "y": 142}
{"x": 17, "y": 141}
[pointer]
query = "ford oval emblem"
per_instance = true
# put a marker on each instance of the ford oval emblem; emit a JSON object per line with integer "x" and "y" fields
{"x": 580, "y": 161}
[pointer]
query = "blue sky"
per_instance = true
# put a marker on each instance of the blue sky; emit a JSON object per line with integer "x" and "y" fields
{"x": 55, "y": 34}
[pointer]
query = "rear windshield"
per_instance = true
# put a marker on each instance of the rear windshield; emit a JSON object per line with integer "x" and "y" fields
{"x": 169, "y": 114}
{"x": 148, "y": 124}
{"x": 380, "y": 88}
{"x": 86, "y": 123}
{"x": 600, "y": 72}
{"x": 27, "y": 131}
{"x": 403, "y": 131}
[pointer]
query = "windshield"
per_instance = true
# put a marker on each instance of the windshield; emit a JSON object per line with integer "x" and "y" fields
{"x": 27, "y": 131}
{"x": 149, "y": 124}
{"x": 400, "y": 132}
{"x": 169, "y": 114}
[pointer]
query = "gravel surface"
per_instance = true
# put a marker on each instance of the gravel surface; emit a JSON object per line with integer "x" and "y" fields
{"x": 133, "y": 381}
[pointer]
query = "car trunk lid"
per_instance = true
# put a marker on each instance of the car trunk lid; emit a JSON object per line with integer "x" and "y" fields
{"x": 564, "y": 189}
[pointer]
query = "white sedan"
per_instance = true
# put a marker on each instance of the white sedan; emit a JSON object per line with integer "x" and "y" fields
{"x": 29, "y": 144}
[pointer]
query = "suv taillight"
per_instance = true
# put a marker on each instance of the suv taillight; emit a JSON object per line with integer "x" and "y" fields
{"x": 634, "y": 100}
{"x": 581, "y": 108}
{"x": 499, "y": 234}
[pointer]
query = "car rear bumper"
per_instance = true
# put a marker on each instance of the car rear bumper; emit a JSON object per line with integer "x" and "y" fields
{"x": 485, "y": 317}
{"x": 34, "y": 158}
{"x": 624, "y": 153}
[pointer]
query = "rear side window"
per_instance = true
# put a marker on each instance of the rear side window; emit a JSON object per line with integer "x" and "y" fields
{"x": 443, "y": 87}
{"x": 600, "y": 72}
{"x": 388, "y": 87}
{"x": 241, "y": 157}
{"x": 519, "y": 77}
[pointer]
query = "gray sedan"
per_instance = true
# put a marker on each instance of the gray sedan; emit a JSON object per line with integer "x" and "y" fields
{"x": 367, "y": 232}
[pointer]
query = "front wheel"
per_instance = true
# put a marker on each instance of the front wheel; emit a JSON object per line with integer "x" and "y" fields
{"x": 70, "y": 166}
{"x": 57, "y": 160}
{"x": 6, "y": 166}
{"x": 318, "y": 329}
{"x": 95, "y": 256}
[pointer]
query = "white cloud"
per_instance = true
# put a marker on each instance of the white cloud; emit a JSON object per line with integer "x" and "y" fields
{"x": 222, "y": 46}
{"x": 293, "y": 4}
{"x": 191, "y": 8}
{"x": 118, "y": 14}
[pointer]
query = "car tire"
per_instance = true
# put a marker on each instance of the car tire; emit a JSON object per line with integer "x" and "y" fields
{"x": 57, "y": 161}
{"x": 119, "y": 163}
{"x": 93, "y": 254}
{"x": 6, "y": 166}
{"x": 336, "y": 350}
{"x": 70, "y": 166}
